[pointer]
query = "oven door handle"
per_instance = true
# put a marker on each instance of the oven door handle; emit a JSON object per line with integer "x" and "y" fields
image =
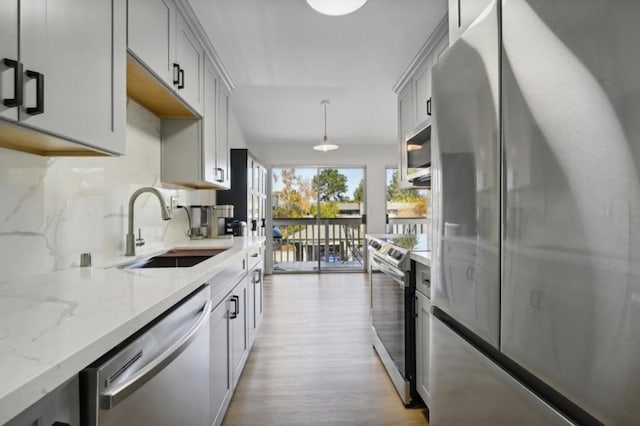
{"x": 387, "y": 270}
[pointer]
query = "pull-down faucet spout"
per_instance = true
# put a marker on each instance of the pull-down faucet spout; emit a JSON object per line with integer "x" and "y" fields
{"x": 164, "y": 211}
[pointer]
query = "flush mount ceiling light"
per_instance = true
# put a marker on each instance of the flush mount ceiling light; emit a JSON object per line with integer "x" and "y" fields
{"x": 336, "y": 7}
{"x": 325, "y": 145}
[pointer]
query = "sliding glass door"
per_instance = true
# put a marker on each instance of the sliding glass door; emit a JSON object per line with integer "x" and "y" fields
{"x": 318, "y": 218}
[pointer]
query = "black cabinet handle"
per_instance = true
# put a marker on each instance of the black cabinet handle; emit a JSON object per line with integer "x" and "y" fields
{"x": 176, "y": 73}
{"x": 254, "y": 225}
{"x": 236, "y": 301}
{"x": 17, "y": 83}
{"x": 264, "y": 224}
{"x": 237, "y": 304}
{"x": 181, "y": 84}
{"x": 429, "y": 107}
{"x": 221, "y": 178}
{"x": 39, "y": 108}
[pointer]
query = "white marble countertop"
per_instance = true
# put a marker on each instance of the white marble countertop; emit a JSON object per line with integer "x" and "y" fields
{"x": 53, "y": 325}
{"x": 423, "y": 257}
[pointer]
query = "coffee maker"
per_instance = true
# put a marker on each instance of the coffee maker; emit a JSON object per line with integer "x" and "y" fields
{"x": 220, "y": 214}
{"x": 209, "y": 221}
{"x": 200, "y": 220}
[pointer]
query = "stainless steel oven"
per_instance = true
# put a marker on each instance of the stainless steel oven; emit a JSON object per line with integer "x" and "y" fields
{"x": 392, "y": 301}
{"x": 393, "y": 307}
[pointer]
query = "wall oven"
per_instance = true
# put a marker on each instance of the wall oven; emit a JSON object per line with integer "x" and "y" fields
{"x": 393, "y": 307}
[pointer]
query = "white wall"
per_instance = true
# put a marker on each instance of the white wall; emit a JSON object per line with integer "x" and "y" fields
{"x": 236, "y": 136}
{"x": 53, "y": 209}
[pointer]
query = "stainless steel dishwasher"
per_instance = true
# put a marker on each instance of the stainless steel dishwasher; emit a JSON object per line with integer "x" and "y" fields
{"x": 160, "y": 377}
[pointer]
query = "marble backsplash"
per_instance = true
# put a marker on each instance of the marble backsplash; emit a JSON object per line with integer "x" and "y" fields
{"x": 54, "y": 209}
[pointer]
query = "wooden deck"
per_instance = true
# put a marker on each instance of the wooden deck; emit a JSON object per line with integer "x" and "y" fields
{"x": 313, "y": 363}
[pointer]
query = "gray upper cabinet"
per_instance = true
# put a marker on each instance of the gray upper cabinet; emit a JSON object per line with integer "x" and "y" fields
{"x": 405, "y": 125}
{"x": 72, "y": 56}
{"x": 422, "y": 92}
{"x": 210, "y": 172}
{"x": 189, "y": 58}
{"x": 195, "y": 152}
{"x": 151, "y": 36}
{"x": 414, "y": 94}
{"x": 9, "y": 67}
{"x": 161, "y": 39}
{"x": 223, "y": 160}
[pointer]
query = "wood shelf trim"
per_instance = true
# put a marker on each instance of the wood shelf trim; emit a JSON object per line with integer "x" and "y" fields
{"x": 148, "y": 91}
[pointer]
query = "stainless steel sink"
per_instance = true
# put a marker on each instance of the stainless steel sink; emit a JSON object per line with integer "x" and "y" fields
{"x": 175, "y": 259}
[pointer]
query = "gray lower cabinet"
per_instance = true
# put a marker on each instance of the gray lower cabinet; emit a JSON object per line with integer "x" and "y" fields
{"x": 255, "y": 301}
{"x": 423, "y": 336}
{"x": 61, "y": 407}
{"x": 221, "y": 386}
{"x": 238, "y": 327}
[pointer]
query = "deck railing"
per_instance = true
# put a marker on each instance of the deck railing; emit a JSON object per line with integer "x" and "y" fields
{"x": 335, "y": 243}
{"x": 397, "y": 225}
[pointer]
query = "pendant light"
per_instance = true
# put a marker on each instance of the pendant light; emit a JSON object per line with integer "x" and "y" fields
{"x": 325, "y": 145}
{"x": 336, "y": 7}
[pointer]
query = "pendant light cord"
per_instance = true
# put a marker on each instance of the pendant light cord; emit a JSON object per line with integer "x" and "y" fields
{"x": 325, "y": 122}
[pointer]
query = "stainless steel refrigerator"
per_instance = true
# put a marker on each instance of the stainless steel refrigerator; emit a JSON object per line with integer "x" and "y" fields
{"x": 536, "y": 271}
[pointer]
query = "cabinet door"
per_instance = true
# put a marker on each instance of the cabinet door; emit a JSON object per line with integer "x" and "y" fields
{"x": 8, "y": 50}
{"x": 220, "y": 381}
{"x": 151, "y": 35}
{"x": 251, "y": 307}
{"x": 259, "y": 294}
{"x": 239, "y": 342}
{"x": 405, "y": 125}
{"x": 222, "y": 140}
{"x": 422, "y": 91}
{"x": 189, "y": 57}
{"x": 77, "y": 50}
{"x": 423, "y": 324}
{"x": 209, "y": 122}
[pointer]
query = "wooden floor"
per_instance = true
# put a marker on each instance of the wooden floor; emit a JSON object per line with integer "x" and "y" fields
{"x": 312, "y": 362}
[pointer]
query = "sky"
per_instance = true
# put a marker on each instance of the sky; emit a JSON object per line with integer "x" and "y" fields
{"x": 354, "y": 176}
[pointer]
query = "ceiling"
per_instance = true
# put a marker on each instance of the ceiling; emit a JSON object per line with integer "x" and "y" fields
{"x": 284, "y": 58}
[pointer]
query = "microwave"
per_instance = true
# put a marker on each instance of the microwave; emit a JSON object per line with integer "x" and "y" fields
{"x": 418, "y": 157}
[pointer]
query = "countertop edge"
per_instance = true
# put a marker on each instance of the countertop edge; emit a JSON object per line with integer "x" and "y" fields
{"x": 423, "y": 258}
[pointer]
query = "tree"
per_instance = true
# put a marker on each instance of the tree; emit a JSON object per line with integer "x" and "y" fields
{"x": 358, "y": 194}
{"x": 328, "y": 209}
{"x": 293, "y": 199}
{"x": 330, "y": 185}
{"x": 395, "y": 194}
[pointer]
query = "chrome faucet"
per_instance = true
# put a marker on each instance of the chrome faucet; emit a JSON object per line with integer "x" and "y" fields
{"x": 164, "y": 210}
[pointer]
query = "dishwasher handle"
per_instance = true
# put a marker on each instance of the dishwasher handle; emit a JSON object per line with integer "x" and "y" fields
{"x": 111, "y": 398}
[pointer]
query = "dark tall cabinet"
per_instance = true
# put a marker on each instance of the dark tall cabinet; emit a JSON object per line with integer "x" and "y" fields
{"x": 248, "y": 193}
